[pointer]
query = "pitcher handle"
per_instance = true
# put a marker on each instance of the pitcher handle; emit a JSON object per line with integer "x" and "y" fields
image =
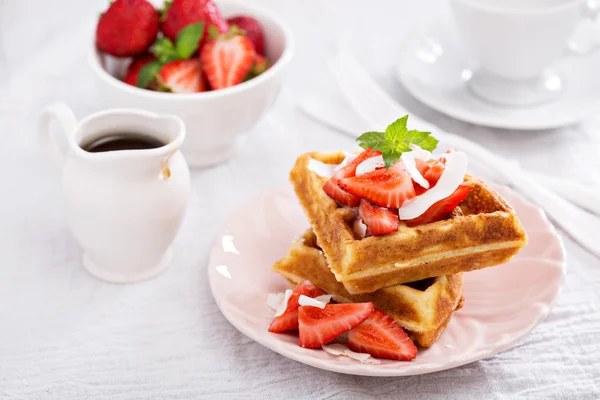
{"x": 65, "y": 117}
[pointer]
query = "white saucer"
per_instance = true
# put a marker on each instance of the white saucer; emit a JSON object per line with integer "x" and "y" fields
{"x": 434, "y": 67}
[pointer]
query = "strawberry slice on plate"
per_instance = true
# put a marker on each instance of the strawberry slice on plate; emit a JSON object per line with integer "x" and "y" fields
{"x": 227, "y": 59}
{"x": 182, "y": 76}
{"x": 288, "y": 321}
{"x": 441, "y": 209}
{"x": 320, "y": 326}
{"x": 379, "y": 220}
{"x": 382, "y": 337}
{"x": 383, "y": 187}
{"x": 332, "y": 188}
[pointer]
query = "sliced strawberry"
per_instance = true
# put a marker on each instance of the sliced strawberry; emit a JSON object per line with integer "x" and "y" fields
{"x": 379, "y": 220}
{"x": 382, "y": 337}
{"x": 319, "y": 326}
{"x": 442, "y": 209}
{"x": 351, "y": 167}
{"x": 384, "y": 187}
{"x": 182, "y": 76}
{"x": 288, "y": 321}
{"x": 227, "y": 59}
{"x": 332, "y": 188}
{"x": 433, "y": 174}
{"x": 308, "y": 289}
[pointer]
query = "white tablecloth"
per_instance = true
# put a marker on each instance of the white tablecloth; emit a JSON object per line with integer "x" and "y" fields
{"x": 65, "y": 335}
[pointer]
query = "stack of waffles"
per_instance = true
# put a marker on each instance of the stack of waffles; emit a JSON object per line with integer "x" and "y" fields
{"x": 414, "y": 274}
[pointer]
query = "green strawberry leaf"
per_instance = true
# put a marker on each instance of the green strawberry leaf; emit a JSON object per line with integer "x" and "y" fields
{"x": 188, "y": 40}
{"x": 164, "y": 50}
{"x": 148, "y": 73}
{"x": 213, "y": 32}
{"x": 163, "y": 11}
{"x": 396, "y": 140}
{"x": 427, "y": 143}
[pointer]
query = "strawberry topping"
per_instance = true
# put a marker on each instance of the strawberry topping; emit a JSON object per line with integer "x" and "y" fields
{"x": 383, "y": 187}
{"x": 332, "y": 188}
{"x": 379, "y": 220}
{"x": 441, "y": 209}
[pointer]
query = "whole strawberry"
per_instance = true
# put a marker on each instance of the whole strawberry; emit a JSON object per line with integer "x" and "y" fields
{"x": 253, "y": 31}
{"x": 181, "y": 13}
{"x": 128, "y": 28}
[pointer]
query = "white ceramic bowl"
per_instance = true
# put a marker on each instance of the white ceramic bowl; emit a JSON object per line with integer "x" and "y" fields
{"x": 215, "y": 119}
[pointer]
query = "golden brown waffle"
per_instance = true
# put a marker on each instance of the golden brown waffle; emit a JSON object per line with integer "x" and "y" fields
{"x": 422, "y": 308}
{"x": 484, "y": 233}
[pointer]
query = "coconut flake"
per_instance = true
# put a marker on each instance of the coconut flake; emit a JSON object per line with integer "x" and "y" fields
{"x": 420, "y": 154}
{"x": 320, "y": 301}
{"x": 283, "y": 305}
{"x": 321, "y": 169}
{"x": 338, "y": 349}
{"x": 349, "y": 158}
{"x": 359, "y": 228}
{"x": 452, "y": 177}
{"x": 369, "y": 165}
{"x": 324, "y": 298}
{"x": 274, "y": 300}
{"x": 411, "y": 166}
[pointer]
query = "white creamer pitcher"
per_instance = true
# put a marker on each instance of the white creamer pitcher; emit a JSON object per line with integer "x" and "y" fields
{"x": 124, "y": 207}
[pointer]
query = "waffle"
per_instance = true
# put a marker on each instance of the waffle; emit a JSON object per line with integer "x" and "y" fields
{"x": 422, "y": 308}
{"x": 484, "y": 231}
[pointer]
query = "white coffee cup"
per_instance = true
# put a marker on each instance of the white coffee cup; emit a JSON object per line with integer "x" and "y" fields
{"x": 516, "y": 42}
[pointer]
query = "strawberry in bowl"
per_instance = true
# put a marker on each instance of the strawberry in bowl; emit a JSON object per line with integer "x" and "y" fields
{"x": 217, "y": 65}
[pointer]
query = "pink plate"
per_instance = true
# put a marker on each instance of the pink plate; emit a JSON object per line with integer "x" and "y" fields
{"x": 502, "y": 304}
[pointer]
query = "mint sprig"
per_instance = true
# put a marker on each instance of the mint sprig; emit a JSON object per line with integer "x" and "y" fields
{"x": 395, "y": 141}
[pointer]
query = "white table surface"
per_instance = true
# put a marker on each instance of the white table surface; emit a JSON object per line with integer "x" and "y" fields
{"x": 65, "y": 335}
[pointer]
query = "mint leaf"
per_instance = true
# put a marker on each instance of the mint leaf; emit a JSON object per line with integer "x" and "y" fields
{"x": 188, "y": 40}
{"x": 397, "y": 129}
{"x": 429, "y": 143}
{"x": 390, "y": 159}
{"x": 148, "y": 73}
{"x": 164, "y": 50}
{"x": 370, "y": 139}
{"x": 396, "y": 140}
